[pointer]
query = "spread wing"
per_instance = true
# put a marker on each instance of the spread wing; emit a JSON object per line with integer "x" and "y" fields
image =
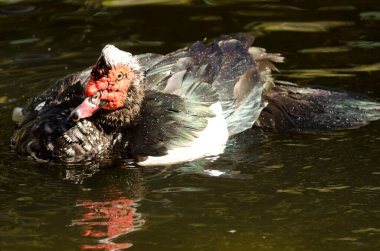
{"x": 238, "y": 72}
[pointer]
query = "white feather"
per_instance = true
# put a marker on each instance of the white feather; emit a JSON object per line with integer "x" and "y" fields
{"x": 113, "y": 56}
{"x": 210, "y": 142}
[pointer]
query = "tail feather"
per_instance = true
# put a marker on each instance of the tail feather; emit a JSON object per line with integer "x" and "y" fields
{"x": 291, "y": 108}
{"x": 244, "y": 108}
{"x": 248, "y": 101}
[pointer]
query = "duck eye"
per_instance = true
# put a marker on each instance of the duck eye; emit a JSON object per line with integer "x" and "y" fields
{"x": 120, "y": 76}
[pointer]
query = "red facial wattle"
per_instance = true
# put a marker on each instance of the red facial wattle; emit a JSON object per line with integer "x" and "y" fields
{"x": 112, "y": 89}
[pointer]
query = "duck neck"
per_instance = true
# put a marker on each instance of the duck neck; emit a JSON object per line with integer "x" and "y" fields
{"x": 119, "y": 119}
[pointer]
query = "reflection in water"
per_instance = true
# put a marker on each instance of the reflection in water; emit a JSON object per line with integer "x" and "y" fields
{"x": 113, "y": 217}
{"x": 332, "y": 72}
{"x": 322, "y": 26}
{"x": 115, "y": 3}
{"x": 108, "y": 220}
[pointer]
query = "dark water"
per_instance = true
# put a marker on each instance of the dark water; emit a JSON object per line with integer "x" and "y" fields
{"x": 309, "y": 191}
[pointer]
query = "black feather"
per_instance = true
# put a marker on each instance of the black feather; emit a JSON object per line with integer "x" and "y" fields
{"x": 295, "y": 109}
{"x": 169, "y": 121}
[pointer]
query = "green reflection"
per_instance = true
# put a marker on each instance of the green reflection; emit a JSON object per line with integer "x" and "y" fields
{"x": 343, "y": 72}
{"x": 118, "y": 3}
{"x": 317, "y": 26}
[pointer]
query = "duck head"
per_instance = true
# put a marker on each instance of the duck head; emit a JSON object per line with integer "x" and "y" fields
{"x": 115, "y": 84}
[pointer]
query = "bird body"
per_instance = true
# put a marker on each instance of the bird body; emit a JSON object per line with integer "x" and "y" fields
{"x": 165, "y": 109}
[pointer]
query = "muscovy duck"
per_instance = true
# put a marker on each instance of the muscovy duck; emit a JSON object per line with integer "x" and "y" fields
{"x": 164, "y": 109}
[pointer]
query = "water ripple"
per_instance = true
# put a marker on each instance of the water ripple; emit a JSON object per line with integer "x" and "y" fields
{"x": 14, "y": 10}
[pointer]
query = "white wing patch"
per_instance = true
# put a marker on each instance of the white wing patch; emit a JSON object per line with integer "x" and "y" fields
{"x": 210, "y": 142}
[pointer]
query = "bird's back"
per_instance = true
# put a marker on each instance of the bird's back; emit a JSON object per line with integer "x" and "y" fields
{"x": 237, "y": 71}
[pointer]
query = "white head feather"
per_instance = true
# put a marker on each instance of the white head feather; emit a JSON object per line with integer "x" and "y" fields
{"x": 114, "y": 56}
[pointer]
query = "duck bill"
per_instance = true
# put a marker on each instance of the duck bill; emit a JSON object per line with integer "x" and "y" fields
{"x": 84, "y": 110}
